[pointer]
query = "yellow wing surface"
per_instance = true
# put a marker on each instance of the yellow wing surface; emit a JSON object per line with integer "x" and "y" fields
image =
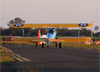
{"x": 71, "y": 39}
{"x": 50, "y": 25}
{"x": 61, "y": 39}
{"x": 12, "y": 42}
{"x": 28, "y": 39}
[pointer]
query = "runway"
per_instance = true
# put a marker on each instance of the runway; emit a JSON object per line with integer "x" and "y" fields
{"x": 52, "y": 59}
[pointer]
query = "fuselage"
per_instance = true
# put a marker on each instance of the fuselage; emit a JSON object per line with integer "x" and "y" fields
{"x": 51, "y": 34}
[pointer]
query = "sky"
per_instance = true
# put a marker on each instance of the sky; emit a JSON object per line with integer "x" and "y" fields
{"x": 50, "y": 11}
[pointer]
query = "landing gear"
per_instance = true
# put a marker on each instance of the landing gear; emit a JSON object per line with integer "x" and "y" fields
{"x": 47, "y": 46}
{"x": 42, "y": 45}
{"x": 60, "y": 45}
{"x": 56, "y": 45}
{"x": 36, "y": 44}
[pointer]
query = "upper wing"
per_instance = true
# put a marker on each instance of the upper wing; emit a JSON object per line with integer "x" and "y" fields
{"x": 50, "y": 25}
{"x": 12, "y": 42}
{"x": 71, "y": 39}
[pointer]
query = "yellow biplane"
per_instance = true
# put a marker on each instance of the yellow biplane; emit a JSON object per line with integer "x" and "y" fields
{"x": 50, "y": 36}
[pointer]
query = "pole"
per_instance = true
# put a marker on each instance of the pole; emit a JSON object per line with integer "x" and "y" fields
{"x": 23, "y": 32}
{"x": 79, "y": 32}
{"x": 92, "y": 32}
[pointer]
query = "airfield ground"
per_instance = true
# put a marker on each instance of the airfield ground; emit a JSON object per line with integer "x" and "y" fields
{"x": 67, "y": 59}
{"x": 5, "y": 56}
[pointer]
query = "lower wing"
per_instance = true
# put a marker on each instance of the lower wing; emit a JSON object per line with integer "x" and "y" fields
{"x": 71, "y": 39}
{"x": 28, "y": 39}
{"x": 35, "y": 40}
{"x": 61, "y": 39}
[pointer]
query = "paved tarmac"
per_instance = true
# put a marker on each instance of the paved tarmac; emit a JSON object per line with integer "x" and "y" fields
{"x": 52, "y": 60}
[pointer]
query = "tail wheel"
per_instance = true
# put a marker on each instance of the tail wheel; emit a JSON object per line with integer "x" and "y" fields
{"x": 42, "y": 45}
{"x": 60, "y": 45}
{"x": 36, "y": 44}
{"x": 56, "y": 45}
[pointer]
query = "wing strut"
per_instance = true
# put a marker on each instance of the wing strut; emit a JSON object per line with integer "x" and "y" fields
{"x": 79, "y": 32}
{"x": 23, "y": 31}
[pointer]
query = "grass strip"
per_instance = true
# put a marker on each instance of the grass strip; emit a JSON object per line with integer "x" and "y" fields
{"x": 5, "y": 57}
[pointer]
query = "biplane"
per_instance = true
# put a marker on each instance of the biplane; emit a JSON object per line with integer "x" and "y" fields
{"x": 50, "y": 36}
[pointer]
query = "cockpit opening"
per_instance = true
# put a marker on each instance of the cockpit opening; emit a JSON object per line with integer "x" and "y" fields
{"x": 51, "y": 31}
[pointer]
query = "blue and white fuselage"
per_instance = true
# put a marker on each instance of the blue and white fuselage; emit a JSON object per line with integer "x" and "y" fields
{"x": 51, "y": 34}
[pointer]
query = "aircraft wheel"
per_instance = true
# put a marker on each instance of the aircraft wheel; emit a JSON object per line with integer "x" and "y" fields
{"x": 42, "y": 45}
{"x": 56, "y": 45}
{"x": 60, "y": 45}
{"x": 47, "y": 46}
{"x": 36, "y": 44}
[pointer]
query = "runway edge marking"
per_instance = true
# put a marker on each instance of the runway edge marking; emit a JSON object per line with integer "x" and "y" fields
{"x": 17, "y": 57}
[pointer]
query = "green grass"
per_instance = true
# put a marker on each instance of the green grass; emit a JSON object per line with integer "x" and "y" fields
{"x": 82, "y": 45}
{"x": 96, "y": 38}
{"x": 79, "y": 45}
{"x": 5, "y": 57}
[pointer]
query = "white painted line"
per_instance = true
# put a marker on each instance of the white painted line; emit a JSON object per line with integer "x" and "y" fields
{"x": 18, "y": 59}
{"x": 22, "y": 57}
{"x": 15, "y": 56}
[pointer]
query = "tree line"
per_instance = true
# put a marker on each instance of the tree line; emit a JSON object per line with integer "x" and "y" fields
{"x": 34, "y": 32}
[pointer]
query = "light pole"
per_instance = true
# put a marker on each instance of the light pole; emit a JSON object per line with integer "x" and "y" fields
{"x": 96, "y": 29}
